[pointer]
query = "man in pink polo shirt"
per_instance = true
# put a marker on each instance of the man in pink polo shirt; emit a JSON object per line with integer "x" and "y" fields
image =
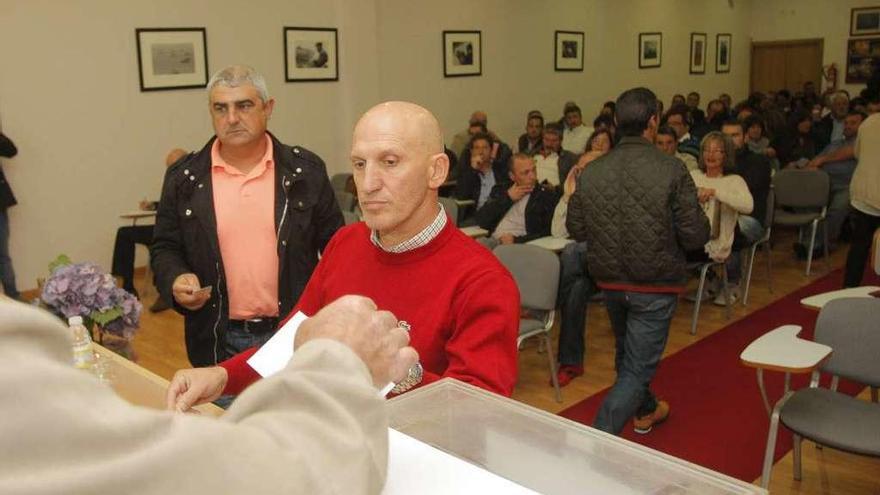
{"x": 240, "y": 224}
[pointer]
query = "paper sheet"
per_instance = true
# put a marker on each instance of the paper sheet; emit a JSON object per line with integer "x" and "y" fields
{"x": 277, "y": 352}
{"x": 416, "y": 467}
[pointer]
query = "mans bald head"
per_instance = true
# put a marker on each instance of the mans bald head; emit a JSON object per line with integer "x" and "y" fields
{"x": 403, "y": 120}
{"x": 398, "y": 165}
{"x": 480, "y": 117}
{"x": 173, "y": 156}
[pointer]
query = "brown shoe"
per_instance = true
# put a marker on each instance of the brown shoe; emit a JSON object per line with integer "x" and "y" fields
{"x": 646, "y": 423}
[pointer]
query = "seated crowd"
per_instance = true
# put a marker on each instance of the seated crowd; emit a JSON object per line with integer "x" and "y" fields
{"x": 730, "y": 151}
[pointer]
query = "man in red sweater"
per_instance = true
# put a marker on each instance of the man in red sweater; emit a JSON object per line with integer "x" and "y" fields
{"x": 459, "y": 303}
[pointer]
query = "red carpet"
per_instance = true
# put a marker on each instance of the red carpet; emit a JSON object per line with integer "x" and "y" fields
{"x": 717, "y": 418}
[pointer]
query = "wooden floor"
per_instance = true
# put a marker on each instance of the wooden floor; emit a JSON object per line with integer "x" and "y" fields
{"x": 159, "y": 346}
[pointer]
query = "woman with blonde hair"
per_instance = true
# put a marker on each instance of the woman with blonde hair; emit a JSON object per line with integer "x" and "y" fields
{"x": 723, "y": 196}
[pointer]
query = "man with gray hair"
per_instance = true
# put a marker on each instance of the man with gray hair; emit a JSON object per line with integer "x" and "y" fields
{"x": 240, "y": 224}
{"x": 830, "y": 128}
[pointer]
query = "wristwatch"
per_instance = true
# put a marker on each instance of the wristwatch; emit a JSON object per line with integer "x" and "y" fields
{"x": 413, "y": 378}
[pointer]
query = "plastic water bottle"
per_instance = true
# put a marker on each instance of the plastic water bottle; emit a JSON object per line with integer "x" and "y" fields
{"x": 83, "y": 356}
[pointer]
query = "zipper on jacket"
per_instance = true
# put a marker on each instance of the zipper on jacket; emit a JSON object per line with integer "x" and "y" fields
{"x": 219, "y": 310}
{"x": 286, "y": 188}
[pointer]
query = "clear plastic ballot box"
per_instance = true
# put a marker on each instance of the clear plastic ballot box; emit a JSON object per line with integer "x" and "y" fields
{"x": 544, "y": 452}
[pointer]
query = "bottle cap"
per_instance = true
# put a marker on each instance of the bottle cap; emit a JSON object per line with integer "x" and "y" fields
{"x": 75, "y": 320}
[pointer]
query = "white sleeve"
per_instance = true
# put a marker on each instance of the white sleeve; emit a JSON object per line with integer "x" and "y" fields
{"x": 557, "y": 227}
{"x": 735, "y": 194}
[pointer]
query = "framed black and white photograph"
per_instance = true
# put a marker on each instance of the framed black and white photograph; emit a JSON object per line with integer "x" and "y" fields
{"x": 462, "y": 53}
{"x": 722, "y": 53}
{"x": 650, "y": 50}
{"x": 569, "y": 51}
{"x": 172, "y": 58}
{"x": 862, "y": 55}
{"x": 698, "y": 53}
{"x": 864, "y": 21}
{"x": 311, "y": 54}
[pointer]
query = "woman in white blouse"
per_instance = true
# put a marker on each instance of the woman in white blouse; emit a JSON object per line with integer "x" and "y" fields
{"x": 722, "y": 194}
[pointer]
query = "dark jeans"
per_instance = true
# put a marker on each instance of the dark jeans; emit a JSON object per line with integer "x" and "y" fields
{"x": 7, "y": 274}
{"x": 641, "y": 326}
{"x": 749, "y": 230}
{"x": 838, "y": 211}
{"x": 238, "y": 340}
{"x": 575, "y": 288}
{"x": 864, "y": 226}
{"x": 123, "y": 252}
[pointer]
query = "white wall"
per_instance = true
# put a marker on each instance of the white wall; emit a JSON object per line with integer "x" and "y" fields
{"x": 518, "y": 70}
{"x": 91, "y": 144}
{"x": 807, "y": 19}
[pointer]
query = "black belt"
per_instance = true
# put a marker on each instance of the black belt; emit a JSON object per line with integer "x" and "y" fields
{"x": 255, "y": 326}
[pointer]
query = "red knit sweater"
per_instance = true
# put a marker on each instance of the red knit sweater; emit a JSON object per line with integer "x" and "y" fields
{"x": 461, "y": 303}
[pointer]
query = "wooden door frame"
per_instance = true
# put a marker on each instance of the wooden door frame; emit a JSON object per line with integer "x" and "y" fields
{"x": 762, "y": 44}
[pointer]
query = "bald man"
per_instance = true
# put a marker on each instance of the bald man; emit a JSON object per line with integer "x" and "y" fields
{"x": 127, "y": 237}
{"x": 478, "y": 122}
{"x": 460, "y": 304}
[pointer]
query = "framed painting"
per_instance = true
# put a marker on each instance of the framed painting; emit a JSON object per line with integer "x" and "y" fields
{"x": 864, "y": 21}
{"x": 650, "y": 50}
{"x": 311, "y": 54}
{"x": 698, "y": 53}
{"x": 569, "y": 51}
{"x": 172, "y": 58}
{"x": 462, "y": 53}
{"x": 722, "y": 53}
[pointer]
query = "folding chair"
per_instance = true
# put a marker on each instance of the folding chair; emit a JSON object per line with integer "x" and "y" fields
{"x": 806, "y": 192}
{"x": 536, "y": 272}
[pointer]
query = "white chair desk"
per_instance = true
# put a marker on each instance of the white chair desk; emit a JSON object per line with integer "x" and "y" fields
{"x": 818, "y": 301}
{"x": 782, "y": 350}
{"x": 474, "y": 231}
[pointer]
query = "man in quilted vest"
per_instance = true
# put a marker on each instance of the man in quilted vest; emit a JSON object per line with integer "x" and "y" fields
{"x": 636, "y": 207}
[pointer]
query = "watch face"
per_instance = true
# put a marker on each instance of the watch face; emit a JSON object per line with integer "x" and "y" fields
{"x": 413, "y": 378}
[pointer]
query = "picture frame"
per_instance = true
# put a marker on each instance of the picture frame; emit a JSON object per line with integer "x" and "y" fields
{"x": 698, "y": 53}
{"x": 722, "y": 52}
{"x": 311, "y": 54}
{"x": 172, "y": 58}
{"x": 568, "y": 51}
{"x": 864, "y": 21}
{"x": 462, "y": 53}
{"x": 862, "y": 54}
{"x": 650, "y": 50}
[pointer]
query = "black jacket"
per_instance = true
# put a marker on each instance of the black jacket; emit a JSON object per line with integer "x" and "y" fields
{"x": 637, "y": 209}
{"x": 755, "y": 170}
{"x": 822, "y": 132}
{"x": 185, "y": 238}
{"x": 468, "y": 184}
{"x": 539, "y": 211}
{"x": 499, "y": 164}
{"x": 7, "y": 150}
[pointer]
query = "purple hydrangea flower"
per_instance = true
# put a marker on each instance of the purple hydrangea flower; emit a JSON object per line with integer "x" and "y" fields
{"x": 79, "y": 289}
